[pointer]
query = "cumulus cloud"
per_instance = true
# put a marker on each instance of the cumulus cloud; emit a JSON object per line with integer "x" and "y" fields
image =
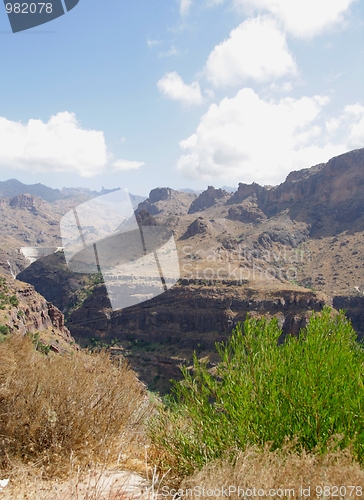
{"x": 122, "y": 165}
{"x": 184, "y": 7}
{"x": 248, "y": 139}
{"x": 59, "y": 145}
{"x": 173, "y": 87}
{"x": 349, "y": 124}
{"x": 256, "y": 49}
{"x": 301, "y": 18}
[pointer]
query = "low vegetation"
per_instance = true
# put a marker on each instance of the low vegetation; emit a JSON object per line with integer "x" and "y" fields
{"x": 308, "y": 390}
{"x": 268, "y": 416}
{"x": 55, "y": 408}
{"x": 6, "y": 297}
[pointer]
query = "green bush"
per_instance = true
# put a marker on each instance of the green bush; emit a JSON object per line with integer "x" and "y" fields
{"x": 14, "y": 301}
{"x": 4, "y": 330}
{"x": 309, "y": 388}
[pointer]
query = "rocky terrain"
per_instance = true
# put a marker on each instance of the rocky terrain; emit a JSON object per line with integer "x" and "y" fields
{"x": 284, "y": 250}
{"x": 24, "y": 311}
{"x": 30, "y": 217}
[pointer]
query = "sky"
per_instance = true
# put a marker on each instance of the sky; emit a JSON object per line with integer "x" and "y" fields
{"x": 141, "y": 94}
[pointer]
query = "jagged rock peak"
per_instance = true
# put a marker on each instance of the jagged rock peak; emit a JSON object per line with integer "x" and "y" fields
{"x": 25, "y": 201}
{"x": 246, "y": 190}
{"x": 160, "y": 194}
{"x": 198, "y": 226}
{"x": 206, "y": 199}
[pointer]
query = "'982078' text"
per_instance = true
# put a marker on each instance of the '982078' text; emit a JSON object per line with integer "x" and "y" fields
{"x": 29, "y": 8}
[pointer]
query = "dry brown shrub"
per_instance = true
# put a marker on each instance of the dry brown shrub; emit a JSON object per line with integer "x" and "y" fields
{"x": 281, "y": 470}
{"x": 53, "y": 408}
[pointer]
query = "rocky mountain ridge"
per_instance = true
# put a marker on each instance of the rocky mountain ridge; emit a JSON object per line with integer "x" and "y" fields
{"x": 13, "y": 187}
{"x": 268, "y": 250}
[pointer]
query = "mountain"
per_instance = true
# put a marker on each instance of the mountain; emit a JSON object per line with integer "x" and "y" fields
{"x": 281, "y": 251}
{"x": 13, "y": 187}
{"x": 328, "y": 196}
{"x": 24, "y": 311}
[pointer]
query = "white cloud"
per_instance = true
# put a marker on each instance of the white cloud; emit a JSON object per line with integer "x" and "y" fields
{"x": 283, "y": 87}
{"x": 59, "y": 145}
{"x": 301, "y": 18}
{"x": 153, "y": 43}
{"x": 184, "y": 7}
{"x": 173, "y": 51}
{"x": 211, "y": 3}
{"x": 256, "y": 49}
{"x": 248, "y": 139}
{"x": 122, "y": 165}
{"x": 173, "y": 87}
{"x": 350, "y": 125}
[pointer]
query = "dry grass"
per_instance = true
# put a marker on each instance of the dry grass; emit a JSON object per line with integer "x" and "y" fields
{"x": 95, "y": 482}
{"x": 60, "y": 409}
{"x": 281, "y": 470}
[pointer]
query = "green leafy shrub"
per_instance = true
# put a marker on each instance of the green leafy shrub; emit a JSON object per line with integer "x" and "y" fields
{"x": 309, "y": 388}
{"x": 13, "y": 300}
{"x": 4, "y": 329}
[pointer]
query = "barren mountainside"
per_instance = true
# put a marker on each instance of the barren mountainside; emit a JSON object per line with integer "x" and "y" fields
{"x": 284, "y": 250}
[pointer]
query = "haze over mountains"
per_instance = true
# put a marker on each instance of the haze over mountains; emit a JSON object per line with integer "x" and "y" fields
{"x": 13, "y": 187}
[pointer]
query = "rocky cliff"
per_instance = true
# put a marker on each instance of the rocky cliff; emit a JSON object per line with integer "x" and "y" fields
{"x": 281, "y": 250}
{"x": 167, "y": 201}
{"x": 207, "y": 199}
{"x": 328, "y": 196}
{"x": 23, "y": 310}
{"x": 160, "y": 334}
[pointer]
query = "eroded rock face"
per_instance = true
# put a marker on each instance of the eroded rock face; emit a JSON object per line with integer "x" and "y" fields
{"x": 144, "y": 218}
{"x": 329, "y": 194}
{"x": 333, "y": 182}
{"x": 166, "y": 201}
{"x": 191, "y": 316}
{"x": 30, "y": 312}
{"x": 354, "y": 310}
{"x": 26, "y": 201}
{"x": 160, "y": 194}
{"x": 198, "y": 226}
{"x": 246, "y": 190}
{"x": 246, "y": 213}
{"x": 152, "y": 203}
{"x": 52, "y": 278}
{"x": 291, "y": 238}
{"x": 207, "y": 199}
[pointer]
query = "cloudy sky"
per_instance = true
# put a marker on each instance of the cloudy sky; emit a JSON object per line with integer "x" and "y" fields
{"x": 181, "y": 93}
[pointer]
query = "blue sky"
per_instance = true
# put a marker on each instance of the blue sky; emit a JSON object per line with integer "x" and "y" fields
{"x": 181, "y": 93}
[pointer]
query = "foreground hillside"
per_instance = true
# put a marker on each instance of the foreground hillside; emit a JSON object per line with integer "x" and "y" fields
{"x": 281, "y": 420}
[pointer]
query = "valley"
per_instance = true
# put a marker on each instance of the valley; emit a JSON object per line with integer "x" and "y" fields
{"x": 282, "y": 251}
